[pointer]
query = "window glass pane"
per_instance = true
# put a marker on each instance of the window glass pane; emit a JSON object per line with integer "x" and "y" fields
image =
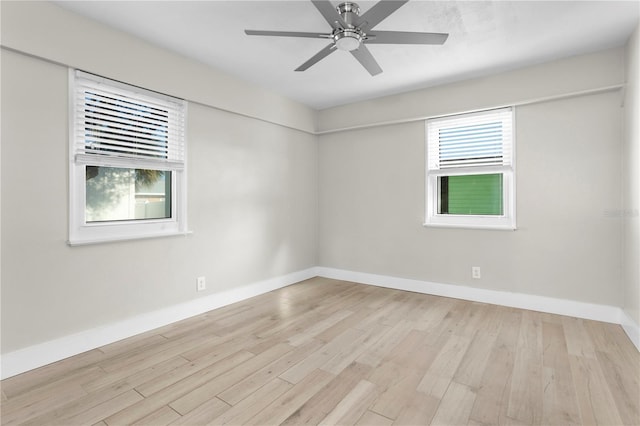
{"x": 114, "y": 194}
{"x": 471, "y": 195}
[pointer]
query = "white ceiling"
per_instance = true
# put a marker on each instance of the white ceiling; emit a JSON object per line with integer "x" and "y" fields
{"x": 485, "y": 37}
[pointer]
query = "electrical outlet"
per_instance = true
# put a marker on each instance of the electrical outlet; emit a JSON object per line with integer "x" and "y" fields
{"x": 201, "y": 283}
{"x": 475, "y": 272}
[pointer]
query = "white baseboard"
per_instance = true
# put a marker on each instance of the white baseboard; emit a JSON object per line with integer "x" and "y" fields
{"x": 605, "y": 313}
{"x": 631, "y": 328}
{"x": 35, "y": 356}
{"x": 592, "y": 311}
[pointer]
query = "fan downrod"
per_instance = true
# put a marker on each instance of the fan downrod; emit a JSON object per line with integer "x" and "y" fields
{"x": 346, "y": 8}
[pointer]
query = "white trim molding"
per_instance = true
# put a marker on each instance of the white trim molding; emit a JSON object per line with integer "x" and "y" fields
{"x": 29, "y": 358}
{"x": 631, "y": 328}
{"x": 604, "y": 313}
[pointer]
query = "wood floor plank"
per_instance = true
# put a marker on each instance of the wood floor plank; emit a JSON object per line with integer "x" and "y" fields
{"x": 79, "y": 405}
{"x": 617, "y": 341}
{"x": 419, "y": 409}
{"x": 334, "y": 352}
{"x": 369, "y": 418}
{"x": 525, "y": 404}
{"x": 263, "y": 305}
{"x": 270, "y": 336}
{"x": 176, "y": 390}
{"x": 247, "y": 326}
{"x": 215, "y": 355}
{"x": 266, "y": 374}
{"x": 559, "y": 402}
{"x": 101, "y": 411}
{"x": 146, "y": 357}
{"x": 377, "y": 351}
{"x": 417, "y": 349}
{"x": 390, "y": 312}
{"x": 136, "y": 377}
{"x": 433, "y": 314}
{"x": 204, "y": 413}
{"x": 325, "y": 400}
{"x": 355, "y": 348}
{"x": 475, "y": 360}
{"x": 397, "y": 384}
{"x": 597, "y": 404}
{"x": 455, "y": 406}
{"x": 492, "y": 395}
{"x": 253, "y": 404}
{"x": 471, "y": 315}
{"x": 347, "y": 323}
{"x": 285, "y": 405}
{"x": 579, "y": 341}
{"x": 557, "y": 391}
{"x": 203, "y": 393}
{"x": 133, "y": 343}
{"x": 279, "y": 326}
{"x": 321, "y": 356}
{"x": 491, "y": 323}
{"x": 73, "y": 382}
{"x": 50, "y": 401}
{"x": 220, "y": 346}
{"x": 624, "y": 385}
{"x": 318, "y": 327}
{"x": 437, "y": 378}
{"x": 50, "y": 374}
{"x": 352, "y": 406}
{"x": 162, "y": 416}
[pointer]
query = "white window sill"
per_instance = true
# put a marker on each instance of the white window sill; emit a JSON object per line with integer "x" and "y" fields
{"x": 102, "y": 240}
{"x": 465, "y": 226}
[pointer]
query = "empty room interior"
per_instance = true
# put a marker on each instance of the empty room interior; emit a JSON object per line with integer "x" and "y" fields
{"x": 320, "y": 212}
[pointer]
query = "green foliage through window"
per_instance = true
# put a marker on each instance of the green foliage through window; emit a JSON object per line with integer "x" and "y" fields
{"x": 471, "y": 195}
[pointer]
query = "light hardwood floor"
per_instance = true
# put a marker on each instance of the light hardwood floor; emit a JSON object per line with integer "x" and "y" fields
{"x": 332, "y": 352}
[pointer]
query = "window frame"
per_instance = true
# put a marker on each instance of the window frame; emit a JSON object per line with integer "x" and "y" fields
{"x": 82, "y": 232}
{"x": 506, "y": 221}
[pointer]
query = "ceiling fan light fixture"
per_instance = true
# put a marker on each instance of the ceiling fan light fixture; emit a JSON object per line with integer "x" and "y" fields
{"x": 347, "y": 40}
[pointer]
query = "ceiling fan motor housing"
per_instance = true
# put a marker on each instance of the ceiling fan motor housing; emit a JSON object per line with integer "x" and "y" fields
{"x": 348, "y": 38}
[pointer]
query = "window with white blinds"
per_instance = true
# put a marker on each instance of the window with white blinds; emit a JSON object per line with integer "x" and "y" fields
{"x": 120, "y": 125}
{"x": 127, "y": 161}
{"x": 470, "y": 140}
{"x": 470, "y": 170}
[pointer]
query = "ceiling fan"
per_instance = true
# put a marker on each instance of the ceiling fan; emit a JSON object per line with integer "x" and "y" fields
{"x": 350, "y": 32}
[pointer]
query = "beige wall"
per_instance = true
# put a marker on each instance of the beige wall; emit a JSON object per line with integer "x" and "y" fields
{"x": 568, "y": 241}
{"x": 252, "y": 196}
{"x": 631, "y": 179}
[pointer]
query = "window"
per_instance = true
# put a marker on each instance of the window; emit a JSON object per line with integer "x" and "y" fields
{"x": 127, "y": 162}
{"x": 470, "y": 170}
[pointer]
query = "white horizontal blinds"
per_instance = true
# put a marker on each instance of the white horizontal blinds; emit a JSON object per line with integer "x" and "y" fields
{"x": 119, "y": 125}
{"x": 470, "y": 140}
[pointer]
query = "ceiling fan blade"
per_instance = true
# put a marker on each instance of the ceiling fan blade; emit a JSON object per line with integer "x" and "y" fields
{"x": 318, "y": 56}
{"x": 401, "y": 37}
{"x": 330, "y": 13}
{"x": 364, "y": 56}
{"x": 286, "y": 34}
{"x": 378, "y": 13}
